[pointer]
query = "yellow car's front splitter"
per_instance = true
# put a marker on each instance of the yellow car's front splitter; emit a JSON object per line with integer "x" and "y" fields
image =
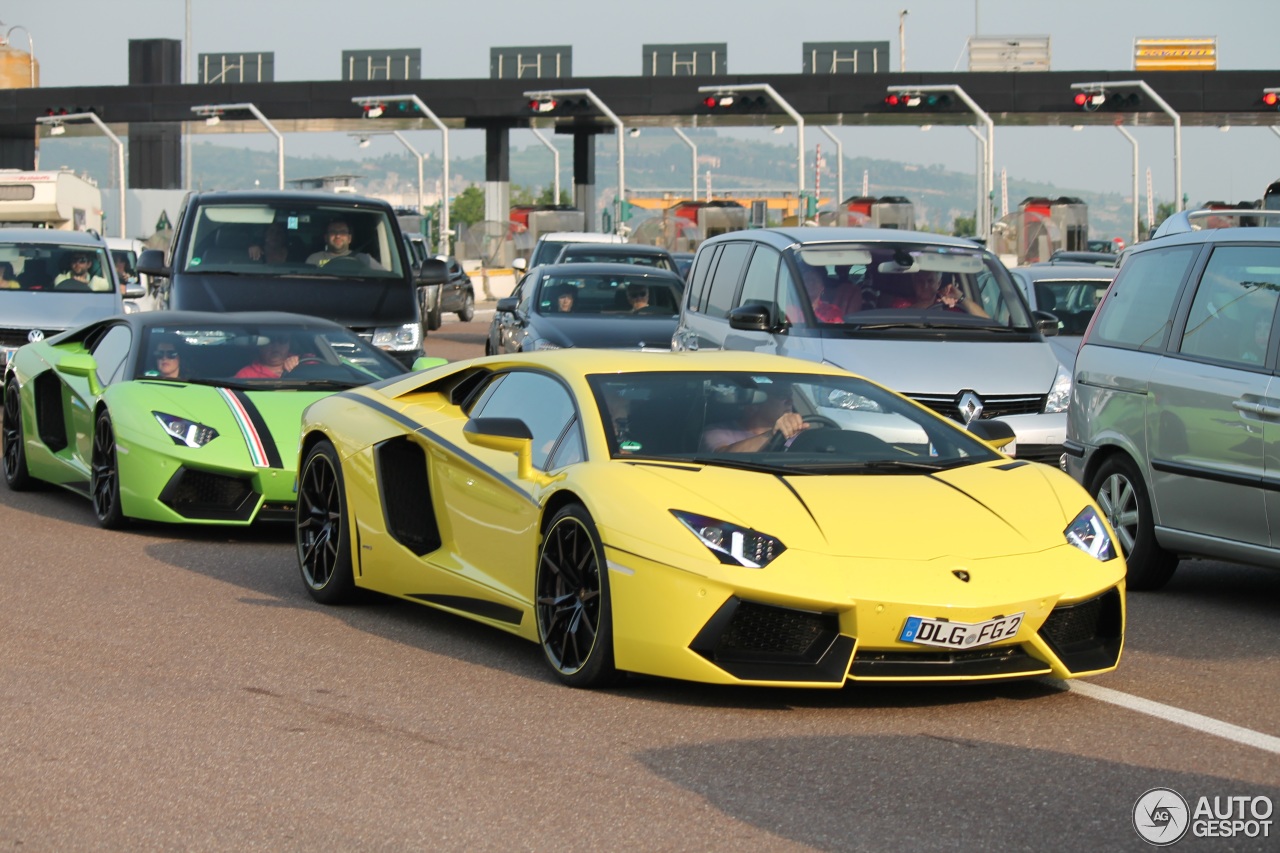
{"x": 811, "y": 620}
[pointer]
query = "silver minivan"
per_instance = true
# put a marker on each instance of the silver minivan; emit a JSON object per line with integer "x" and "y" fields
{"x": 1174, "y": 426}
{"x": 936, "y": 318}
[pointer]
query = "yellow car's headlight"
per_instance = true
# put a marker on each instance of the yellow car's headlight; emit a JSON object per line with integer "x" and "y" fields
{"x": 1089, "y": 534}
{"x": 732, "y": 544}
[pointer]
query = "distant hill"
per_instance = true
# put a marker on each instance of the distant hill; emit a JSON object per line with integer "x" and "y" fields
{"x": 653, "y": 163}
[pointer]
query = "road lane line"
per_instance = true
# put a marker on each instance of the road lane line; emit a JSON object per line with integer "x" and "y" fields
{"x": 1190, "y": 719}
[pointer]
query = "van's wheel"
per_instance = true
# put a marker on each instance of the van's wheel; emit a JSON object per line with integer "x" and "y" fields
{"x": 1118, "y": 488}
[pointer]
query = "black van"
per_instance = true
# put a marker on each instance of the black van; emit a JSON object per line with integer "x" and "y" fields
{"x": 336, "y": 256}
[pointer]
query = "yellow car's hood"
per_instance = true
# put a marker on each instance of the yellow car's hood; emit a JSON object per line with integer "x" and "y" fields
{"x": 976, "y": 511}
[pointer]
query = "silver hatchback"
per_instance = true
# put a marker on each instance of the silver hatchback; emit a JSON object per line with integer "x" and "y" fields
{"x": 1174, "y": 426}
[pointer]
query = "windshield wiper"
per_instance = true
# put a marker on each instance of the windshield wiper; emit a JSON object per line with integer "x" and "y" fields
{"x": 893, "y": 466}
{"x": 742, "y": 464}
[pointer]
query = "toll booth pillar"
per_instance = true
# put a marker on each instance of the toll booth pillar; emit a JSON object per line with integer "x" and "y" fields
{"x": 155, "y": 149}
{"x": 497, "y": 173}
{"x": 584, "y": 175}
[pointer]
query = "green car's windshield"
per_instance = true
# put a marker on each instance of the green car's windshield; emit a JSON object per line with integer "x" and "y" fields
{"x": 261, "y": 355}
{"x": 829, "y": 424}
{"x": 291, "y": 239}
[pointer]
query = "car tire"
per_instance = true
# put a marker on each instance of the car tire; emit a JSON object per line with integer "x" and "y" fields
{"x": 434, "y": 318}
{"x": 468, "y": 312}
{"x": 323, "y": 528}
{"x": 104, "y": 475}
{"x": 1119, "y": 490}
{"x": 573, "y": 612}
{"x": 16, "y": 475}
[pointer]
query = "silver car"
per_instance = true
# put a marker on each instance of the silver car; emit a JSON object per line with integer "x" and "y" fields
{"x": 1174, "y": 426}
{"x": 40, "y": 295}
{"x": 937, "y": 318}
{"x": 1068, "y": 291}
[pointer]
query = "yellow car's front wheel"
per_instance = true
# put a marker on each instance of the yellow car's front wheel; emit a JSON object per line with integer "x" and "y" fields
{"x": 324, "y": 550}
{"x": 575, "y": 624}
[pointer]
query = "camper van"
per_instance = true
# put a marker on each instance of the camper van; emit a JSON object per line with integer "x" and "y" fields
{"x": 61, "y": 200}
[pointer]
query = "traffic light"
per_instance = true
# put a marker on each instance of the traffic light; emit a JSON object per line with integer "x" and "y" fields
{"x": 395, "y": 109}
{"x": 918, "y": 100}
{"x": 559, "y": 105}
{"x": 1100, "y": 99}
{"x": 726, "y": 102}
{"x": 1271, "y": 98}
{"x": 54, "y": 112}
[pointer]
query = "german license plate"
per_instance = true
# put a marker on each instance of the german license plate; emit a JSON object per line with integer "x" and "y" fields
{"x": 959, "y": 635}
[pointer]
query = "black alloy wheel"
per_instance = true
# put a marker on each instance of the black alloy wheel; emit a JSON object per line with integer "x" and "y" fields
{"x": 104, "y": 475}
{"x": 324, "y": 552}
{"x": 16, "y": 474}
{"x": 575, "y": 623}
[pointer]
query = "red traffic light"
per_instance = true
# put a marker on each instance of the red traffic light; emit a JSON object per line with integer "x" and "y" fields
{"x": 542, "y": 105}
{"x": 891, "y": 100}
{"x": 1270, "y": 98}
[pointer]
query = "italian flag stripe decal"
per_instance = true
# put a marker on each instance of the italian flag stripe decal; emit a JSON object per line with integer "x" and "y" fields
{"x": 240, "y": 409}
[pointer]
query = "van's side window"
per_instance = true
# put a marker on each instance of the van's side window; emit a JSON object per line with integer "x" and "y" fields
{"x": 698, "y": 277}
{"x": 1234, "y": 306}
{"x": 1138, "y": 311}
{"x": 724, "y": 280}
{"x": 758, "y": 288}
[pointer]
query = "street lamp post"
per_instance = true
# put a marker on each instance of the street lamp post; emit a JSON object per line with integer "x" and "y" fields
{"x": 789, "y": 110}
{"x": 1168, "y": 110}
{"x": 1129, "y": 136}
{"x": 59, "y": 121}
{"x": 982, "y": 165}
{"x": 364, "y": 138}
{"x": 555, "y": 164}
{"x": 618, "y": 127}
{"x": 839, "y": 163}
{"x": 377, "y": 102}
{"x": 212, "y": 114}
{"x": 988, "y": 179}
{"x": 693, "y": 150}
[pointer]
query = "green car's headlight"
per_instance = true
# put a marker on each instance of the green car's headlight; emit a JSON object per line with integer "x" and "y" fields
{"x": 1089, "y": 534}
{"x": 185, "y": 432}
{"x": 733, "y": 545}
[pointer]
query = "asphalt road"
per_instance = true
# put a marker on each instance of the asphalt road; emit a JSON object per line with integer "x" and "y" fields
{"x": 178, "y": 689}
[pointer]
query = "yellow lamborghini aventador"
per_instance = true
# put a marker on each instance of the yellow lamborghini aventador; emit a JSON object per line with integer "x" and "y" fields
{"x": 722, "y": 517}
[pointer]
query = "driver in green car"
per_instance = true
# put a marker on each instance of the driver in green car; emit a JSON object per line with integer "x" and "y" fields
{"x": 337, "y": 245}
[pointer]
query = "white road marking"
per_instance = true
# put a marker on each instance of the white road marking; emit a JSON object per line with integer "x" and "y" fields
{"x": 1190, "y": 719}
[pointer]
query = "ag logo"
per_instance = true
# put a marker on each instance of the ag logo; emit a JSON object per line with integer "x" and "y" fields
{"x": 1161, "y": 816}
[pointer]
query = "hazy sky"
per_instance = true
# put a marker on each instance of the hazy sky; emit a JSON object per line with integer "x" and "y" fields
{"x": 85, "y": 42}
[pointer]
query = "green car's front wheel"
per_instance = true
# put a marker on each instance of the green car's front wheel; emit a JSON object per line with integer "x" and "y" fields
{"x": 15, "y": 452}
{"x": 104, "y": 478}
{"x": 324, "y": 549}
{"x": 575, "y": 621}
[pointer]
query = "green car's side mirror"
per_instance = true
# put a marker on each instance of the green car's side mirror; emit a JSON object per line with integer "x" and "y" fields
{"x": 427, "y": 362}
{"x": 82, "y": 365}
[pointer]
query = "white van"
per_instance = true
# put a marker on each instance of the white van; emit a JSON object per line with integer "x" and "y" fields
{"x": 548, "y": 247}
{"x": 936, "y": 318}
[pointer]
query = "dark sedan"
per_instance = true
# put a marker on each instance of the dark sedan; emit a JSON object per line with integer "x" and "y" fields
{"x": 608, "y": 306}
{"x": 617, "y": 253}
